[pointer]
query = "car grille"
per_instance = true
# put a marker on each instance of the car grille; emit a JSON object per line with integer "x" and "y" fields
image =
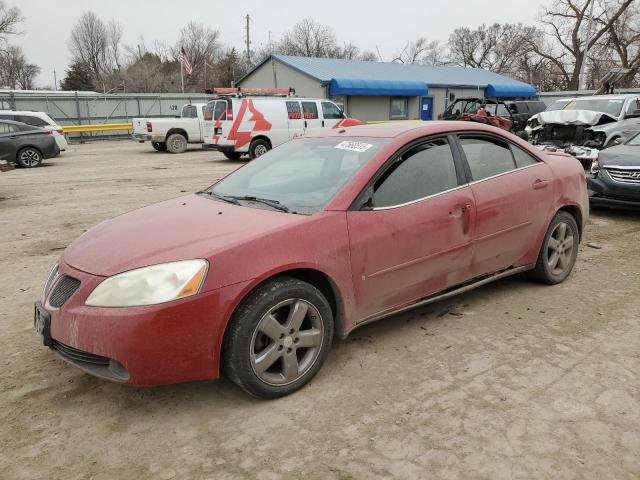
{"x": 64, "y": 288}
{"x": 79, "y": 356}
{"x": 625, "y": 175}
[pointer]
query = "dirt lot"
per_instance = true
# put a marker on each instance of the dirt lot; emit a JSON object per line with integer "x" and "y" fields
{"x": 514, "y": 380}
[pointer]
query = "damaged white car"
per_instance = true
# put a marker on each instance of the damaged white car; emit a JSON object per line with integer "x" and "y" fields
{"x": 586, "y": 125}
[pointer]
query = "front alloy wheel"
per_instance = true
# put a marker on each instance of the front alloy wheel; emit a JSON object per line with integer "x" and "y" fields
{"x": 286, "y": 342}
{"x": 278, "y": 338}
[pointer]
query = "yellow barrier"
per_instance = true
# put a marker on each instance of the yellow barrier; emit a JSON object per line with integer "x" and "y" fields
{"x": 97, "y": 128}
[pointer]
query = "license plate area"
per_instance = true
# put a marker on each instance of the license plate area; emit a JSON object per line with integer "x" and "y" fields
{"x": 42, "y": 324}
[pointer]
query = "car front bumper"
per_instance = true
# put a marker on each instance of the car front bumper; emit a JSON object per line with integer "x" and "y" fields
{"x": 606, "y": 192}
{"x": 169, "y": 343}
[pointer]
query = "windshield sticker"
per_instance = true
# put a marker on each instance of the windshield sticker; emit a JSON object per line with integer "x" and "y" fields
{"x": 354, "y": 146}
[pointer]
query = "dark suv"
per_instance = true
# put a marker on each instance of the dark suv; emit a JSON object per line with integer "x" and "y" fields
{"x": 615, "y": 176}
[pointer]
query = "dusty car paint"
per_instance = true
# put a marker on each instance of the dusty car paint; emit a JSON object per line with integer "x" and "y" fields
{"x": 375, "y": 261}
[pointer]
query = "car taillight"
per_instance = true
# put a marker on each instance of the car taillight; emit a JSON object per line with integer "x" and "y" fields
{"x": 149, "y": 127}
{"x": 229, "y": 113}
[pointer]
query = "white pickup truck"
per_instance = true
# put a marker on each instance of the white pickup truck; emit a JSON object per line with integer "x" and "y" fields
{"x": 172, "y": 134}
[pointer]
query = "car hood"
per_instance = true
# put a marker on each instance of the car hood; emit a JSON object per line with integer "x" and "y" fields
{"x": 622, "y": 155}
{"x": 183, "y": 228}
{"x": 573, "y": 117}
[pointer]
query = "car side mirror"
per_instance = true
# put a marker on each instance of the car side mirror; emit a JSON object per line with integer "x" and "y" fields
{"x": 367, "y": 200}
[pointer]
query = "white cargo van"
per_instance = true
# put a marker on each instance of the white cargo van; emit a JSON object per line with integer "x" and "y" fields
{"x": 253, "y": 121}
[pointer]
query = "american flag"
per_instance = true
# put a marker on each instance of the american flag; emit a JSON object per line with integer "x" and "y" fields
{"x": 182, "y": 58}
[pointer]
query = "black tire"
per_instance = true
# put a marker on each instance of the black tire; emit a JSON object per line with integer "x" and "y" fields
{"x": 240, "y": 360}
{"x": 176, "y": 143}
{"x": 258, "y": 147}
{"x": 29, "y": 157}
{"x": 548, "y": 268}
{"x": 159, "y": 146}
{"x": 232, "y": 155}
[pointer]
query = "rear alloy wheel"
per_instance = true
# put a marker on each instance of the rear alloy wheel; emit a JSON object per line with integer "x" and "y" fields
{"x": 278, "y": 339}
{"x": 258, "y": 148}
{"x": 176, "y": 143}
{"x": 559, "y": 250}
{"x": 159, "y": 146}
{"x": 29, "y": 157}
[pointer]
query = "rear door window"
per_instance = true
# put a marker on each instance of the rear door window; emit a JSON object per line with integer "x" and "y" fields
{"x": 310, "y": 110}
{"x": 294, "y": 111}
{"x": 6, "y": 128}
{"x": 486, "y": 156}
{"x": 33, "y": 121}
{"x": 189, "y": 111}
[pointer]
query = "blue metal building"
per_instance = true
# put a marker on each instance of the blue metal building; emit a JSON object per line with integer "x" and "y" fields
{"x": 380, "y": 90}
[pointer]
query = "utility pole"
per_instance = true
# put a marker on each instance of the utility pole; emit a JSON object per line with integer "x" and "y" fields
{"x": 581, "y": 80}
{"x": 248, "y": 40}
{"x": 55, "y": 81}
{"x": 270, "y": 47}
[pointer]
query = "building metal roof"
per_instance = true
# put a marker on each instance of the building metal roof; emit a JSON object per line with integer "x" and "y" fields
{"x": 326, "y": 69}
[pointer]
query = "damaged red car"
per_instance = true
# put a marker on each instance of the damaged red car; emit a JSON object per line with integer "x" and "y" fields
{"x": 254, "y": 276}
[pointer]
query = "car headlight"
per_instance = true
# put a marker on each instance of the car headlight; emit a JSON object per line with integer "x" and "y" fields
{"x": 150, "y": 285}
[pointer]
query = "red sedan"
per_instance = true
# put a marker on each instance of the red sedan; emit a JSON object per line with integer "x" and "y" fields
{"x": 254, "y": 276}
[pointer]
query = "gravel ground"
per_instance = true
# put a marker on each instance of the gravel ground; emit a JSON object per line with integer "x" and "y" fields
{"x": 514, "y": 380}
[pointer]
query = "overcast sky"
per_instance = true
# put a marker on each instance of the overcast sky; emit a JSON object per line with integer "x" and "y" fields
{"x": 368, "y": 24}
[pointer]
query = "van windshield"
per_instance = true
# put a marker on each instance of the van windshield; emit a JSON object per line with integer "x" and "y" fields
{"x": 302, "y": 175}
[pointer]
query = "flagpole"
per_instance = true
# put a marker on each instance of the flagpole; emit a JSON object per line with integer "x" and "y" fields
{"x": 181, "y": 77}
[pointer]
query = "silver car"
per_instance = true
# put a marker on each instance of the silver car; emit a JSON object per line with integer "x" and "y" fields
{"x": 586, "y": 125}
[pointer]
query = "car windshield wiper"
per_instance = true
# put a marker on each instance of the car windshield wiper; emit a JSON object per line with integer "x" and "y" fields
{"x": 272, "y": 203}
{"x": 224, "y": 198}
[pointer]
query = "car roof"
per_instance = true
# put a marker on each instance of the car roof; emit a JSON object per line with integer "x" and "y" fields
{"x": 13, "y": 122}
{"x": 621, "y": 96}
{"x": 23, "y": 112}
{"x": 395, "y": 129}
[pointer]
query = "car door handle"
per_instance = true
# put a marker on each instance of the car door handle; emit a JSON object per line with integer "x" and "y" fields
{"x": 538, "y": 184}
{"x": 323, "y": 123}
{"x": 305, "y": 124}
{"x": 464, "y": 213}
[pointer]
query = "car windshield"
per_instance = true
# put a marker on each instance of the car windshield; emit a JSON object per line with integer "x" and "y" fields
{"x": 302, "y": 175}
{"x": 611, "y": 106}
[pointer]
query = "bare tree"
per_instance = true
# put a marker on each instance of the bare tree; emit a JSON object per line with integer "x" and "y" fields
{"x": 620, "y": 47}
{"x": 566, "y": 23}
{"x": 114, "y": 38}
{"x": 15, "y": 71}
{"x": 308, "y": 38}
{"x": 202, "y": 46}
{"x": 497, "y": 47}
{"x": 421, "y": 50}
{"x": 10, "y": 18}
{"x": 89, "y": 44}
{"x": 97, "y": 45}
